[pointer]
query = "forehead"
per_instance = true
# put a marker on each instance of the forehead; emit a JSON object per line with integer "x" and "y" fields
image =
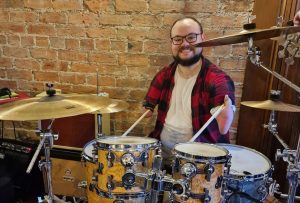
{"x": 184, "y": 27}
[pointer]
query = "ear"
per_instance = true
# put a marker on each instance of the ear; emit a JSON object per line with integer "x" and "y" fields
{"x": 203, "y": 36}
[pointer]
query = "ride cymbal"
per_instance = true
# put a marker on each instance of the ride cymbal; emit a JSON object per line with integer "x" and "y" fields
{"x": 272, "y": 105}
{"x": 50, "y": 107}
{"x": 243, "y": 36}
{"x": 115, "y": 106}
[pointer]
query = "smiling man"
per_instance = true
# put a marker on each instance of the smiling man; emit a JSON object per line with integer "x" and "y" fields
{"x": 186, "y": 90}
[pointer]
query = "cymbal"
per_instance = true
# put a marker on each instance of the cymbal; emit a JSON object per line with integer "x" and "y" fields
{"x": 50, "y": 107}
{"x": 243, "y": 36}
{"x": 115, "y": 106}
{"x": 272, "y": 105}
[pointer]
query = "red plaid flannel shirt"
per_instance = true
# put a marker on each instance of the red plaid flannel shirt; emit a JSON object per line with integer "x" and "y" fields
{"x": 211, "y": 86}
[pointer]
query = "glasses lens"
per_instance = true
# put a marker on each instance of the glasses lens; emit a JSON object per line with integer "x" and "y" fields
{"x": 177, "y": 40}
{"x": 191, "y": 37}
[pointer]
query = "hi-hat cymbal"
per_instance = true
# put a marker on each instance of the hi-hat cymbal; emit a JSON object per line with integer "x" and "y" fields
{"x": 272, "y": 105}
{"x": 243, "y": 36}
{"x": 115, "y": 106}
{"x": 50, "y": 107}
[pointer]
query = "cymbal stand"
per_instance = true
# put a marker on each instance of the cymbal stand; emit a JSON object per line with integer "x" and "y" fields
{"x": 254, "y": 54}
{"x": 272, "y": 128}
{"x": 45, "y": 165}
{"x": 293, "y": 170}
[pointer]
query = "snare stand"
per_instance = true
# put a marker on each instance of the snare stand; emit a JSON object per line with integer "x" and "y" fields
{"x": 45, "y": 164}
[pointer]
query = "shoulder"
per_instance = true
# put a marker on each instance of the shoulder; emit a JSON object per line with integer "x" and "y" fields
{"x": 214, "y": 72}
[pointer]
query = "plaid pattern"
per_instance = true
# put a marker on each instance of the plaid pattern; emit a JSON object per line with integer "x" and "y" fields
{"x": 211, "y": 86}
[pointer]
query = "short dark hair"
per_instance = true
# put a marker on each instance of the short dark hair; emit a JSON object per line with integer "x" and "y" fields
{"x": 188, "y": 17}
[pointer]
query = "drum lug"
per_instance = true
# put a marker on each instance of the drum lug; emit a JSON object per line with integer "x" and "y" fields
{"x": 110, "y": 185}
{"x": 100, "y": 168}
{"x": 91, "y": 187}
{"x": 207, "y": 198}
{"x": 82, "y": 184}
{"x": 94, "y": 178}
{"x": 219, "y": 182}
{"x": 110, "y": 158}
{"x": 175, "y": 164}
{"x": 144, "y": 157}
{"x": 208, "y": 170}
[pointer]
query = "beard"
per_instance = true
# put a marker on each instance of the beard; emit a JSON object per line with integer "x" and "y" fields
{"x": 190, "y": 61}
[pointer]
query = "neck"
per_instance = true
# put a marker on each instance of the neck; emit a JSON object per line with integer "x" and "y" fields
{"x": 190, "y": 71}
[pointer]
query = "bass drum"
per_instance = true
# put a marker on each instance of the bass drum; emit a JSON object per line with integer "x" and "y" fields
{"x": 90, "y": 158}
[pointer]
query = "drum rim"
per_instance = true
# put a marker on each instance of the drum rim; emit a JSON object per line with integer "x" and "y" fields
{"x": 254, "y": 176}
{"x": 121, "y": 147}
{"x": 86, "y": 156}
{"x": 200, "y": 158}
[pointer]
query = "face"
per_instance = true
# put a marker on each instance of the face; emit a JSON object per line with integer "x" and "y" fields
{"x": 185, "y": 53}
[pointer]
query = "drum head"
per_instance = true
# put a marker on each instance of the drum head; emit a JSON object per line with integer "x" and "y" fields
{"x": 198, "y": 150}
{"x": 246, "y": 161}
{"x": 118, "y": 142}
{"x": 88, "y": 150}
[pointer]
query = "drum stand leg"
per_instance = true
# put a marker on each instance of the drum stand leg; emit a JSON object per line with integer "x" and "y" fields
{"x": 293, "y": 170}
{"x": 45, "y": 165}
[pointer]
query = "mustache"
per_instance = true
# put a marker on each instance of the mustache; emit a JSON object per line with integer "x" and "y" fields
{"x": 187, "y": 47}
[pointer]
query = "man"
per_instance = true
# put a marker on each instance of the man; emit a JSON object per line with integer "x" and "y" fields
{"x": 186, "y": 90}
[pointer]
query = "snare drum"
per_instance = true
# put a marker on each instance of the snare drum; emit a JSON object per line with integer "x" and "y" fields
{"x": 201, "y": 165}
{"x": 249, "y": 175}
{"x": 90, "y": 158}
{"x": 117, "y": 156}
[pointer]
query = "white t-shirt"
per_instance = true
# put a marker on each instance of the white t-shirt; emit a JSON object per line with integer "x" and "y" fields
{"x": 178, "y": 124}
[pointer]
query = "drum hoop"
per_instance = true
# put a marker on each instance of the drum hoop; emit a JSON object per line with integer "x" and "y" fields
{"x": 255, "y": 176}
{"x": 126, "y": 196}
{"x": 203, "y": 159}
{"x": 250, "y": 177}
{"x": 200, "y": 159}
{"x": 86, "y": 156}
{"x": 127, "y": 147}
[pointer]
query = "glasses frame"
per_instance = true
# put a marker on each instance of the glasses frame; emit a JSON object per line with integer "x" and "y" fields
{"x": 185, "y": 37}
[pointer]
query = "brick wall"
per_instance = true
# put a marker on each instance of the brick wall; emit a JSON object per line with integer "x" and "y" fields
{"x": 65, "y": 42}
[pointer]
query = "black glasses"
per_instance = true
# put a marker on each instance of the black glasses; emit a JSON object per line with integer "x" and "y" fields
{"x": 190, "y": 38}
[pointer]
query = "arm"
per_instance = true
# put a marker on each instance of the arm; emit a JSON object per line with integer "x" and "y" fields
{"x": 225, "y": 118}
{"x": 153, "y": 95}
{"x": 224, "y": 93}
{"x": 297, "y": 19}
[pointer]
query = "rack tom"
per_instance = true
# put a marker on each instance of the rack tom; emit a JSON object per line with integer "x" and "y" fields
{"x": 201, "y": 166}
{"x": 116, "y": 157}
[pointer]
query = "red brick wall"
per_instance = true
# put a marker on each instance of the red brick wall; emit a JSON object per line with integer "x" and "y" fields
{"x": 65, "y": 42}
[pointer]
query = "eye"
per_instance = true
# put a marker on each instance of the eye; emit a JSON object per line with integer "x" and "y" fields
{"x": 191, "y": 37}
{"x": 177, "y": 39}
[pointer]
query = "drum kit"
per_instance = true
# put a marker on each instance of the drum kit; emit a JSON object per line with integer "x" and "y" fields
{"x": 126, "y": 169}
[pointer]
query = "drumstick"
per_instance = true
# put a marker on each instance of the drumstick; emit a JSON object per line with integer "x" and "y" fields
{"x": 136, "y": 122}
{"x": 207, "y": 122}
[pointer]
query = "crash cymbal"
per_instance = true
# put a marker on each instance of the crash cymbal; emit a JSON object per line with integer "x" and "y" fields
{"x": 272, "y": 105}
{"x": 49, "y": 107}
{"x": 114, "y": 106}
{"x": 243, "y": 36}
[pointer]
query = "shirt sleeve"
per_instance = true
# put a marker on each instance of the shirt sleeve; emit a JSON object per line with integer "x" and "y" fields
{"x": 154, "y": 92}
{"x": 222, "y": 85}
